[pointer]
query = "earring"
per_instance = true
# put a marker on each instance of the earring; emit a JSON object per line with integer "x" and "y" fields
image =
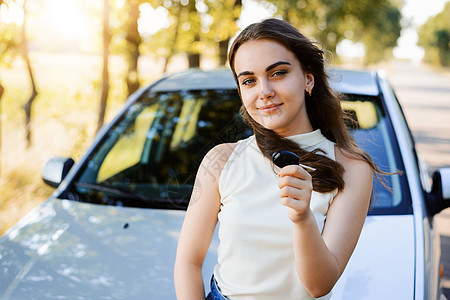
{"x": 309, "y": 92}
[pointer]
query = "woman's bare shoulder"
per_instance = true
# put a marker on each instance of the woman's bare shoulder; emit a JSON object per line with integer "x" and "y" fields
{"x": 351, "y": 161}
{"x": 220, "y": 153}
{"x": 215, "y": 160}
{"x": 356, "y": 168}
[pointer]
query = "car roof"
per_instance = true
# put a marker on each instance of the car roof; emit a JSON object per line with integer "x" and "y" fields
{"x": 341, "y": 80}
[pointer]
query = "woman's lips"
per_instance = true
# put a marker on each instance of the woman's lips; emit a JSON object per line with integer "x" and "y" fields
{"x": 270, "y": 108}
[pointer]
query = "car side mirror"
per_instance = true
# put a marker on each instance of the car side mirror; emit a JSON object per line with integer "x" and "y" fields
{"x": 55, "y": 169}
{"x": 439, "y": 197}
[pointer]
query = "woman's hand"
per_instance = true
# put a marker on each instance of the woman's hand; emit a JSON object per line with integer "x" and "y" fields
{"x": 295, "y": 191}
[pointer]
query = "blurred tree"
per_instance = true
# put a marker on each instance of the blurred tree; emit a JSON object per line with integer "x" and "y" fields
{"x": 434, "y": 37}
{"x": 183, "y": 35}
{"x": 224, "y": 15}
{"x": 197, "y": 28}
{"x": 133, "y": 41}
{"x": 375, "y": 23}
{"x": 165, "y": 42}
{"x": 380, "y": 36}
{"x": 9, "y": 48}
{"x": 175, "y": 29}
{"x": 105, "y": 67}
{"x": 10, "y": 35}
{"x": 191, "y": 34}
{"x": 126, "y": 38}
{"x": 25, "y": 54}
{"x": 13, "y": 41}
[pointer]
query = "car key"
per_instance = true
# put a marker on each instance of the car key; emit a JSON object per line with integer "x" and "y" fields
{"x": 285, "y": 158}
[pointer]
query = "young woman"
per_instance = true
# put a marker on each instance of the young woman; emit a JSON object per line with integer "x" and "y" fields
{"x": 284, "y": 233}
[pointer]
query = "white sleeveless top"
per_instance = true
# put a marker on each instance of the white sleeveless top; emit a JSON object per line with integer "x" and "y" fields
{"x": 255, "y": 254}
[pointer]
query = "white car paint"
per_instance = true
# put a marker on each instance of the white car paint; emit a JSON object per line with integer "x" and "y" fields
{"x": 366, "y": 276}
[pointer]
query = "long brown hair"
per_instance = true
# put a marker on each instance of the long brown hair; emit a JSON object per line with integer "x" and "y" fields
{"x": 323, "y": 106}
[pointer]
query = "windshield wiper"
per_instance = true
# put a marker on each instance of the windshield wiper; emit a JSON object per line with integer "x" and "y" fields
{"x": 113, "y": 190}
{"x": 129, "y": 198}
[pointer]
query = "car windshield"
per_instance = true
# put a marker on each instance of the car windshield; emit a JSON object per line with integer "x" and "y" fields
{"x": 150, "y": 157}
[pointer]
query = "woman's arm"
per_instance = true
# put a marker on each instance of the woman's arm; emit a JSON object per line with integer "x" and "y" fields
{"x": 321, "y": 259}
{"x": 199, "y": 224}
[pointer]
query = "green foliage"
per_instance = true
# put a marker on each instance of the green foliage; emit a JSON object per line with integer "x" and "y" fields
{"x": 10, "y": 38}
{"x": 381, "y": 35}
{"x": 375, "y": 23}
{"x": 196, "y": 27}
{"x": 222, "y": 19}
{"x": 9, "y": 42}
{"x": 204, "y": 27}
{"x": 434, "y": 37}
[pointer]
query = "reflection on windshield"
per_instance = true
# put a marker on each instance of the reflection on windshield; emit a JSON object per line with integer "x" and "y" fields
{"x": 363, "y": 112}
{"x": 127, "y": 151}
{"x": 187, "y": 123}
{"x": 157, "y": 147}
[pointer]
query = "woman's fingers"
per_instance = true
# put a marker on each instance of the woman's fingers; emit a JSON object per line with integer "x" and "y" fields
{"x": 295, "y": 171}
{"x": 294, "y": 180}
{"x": 295, "y": 191}
{"x": 298, "y": 205}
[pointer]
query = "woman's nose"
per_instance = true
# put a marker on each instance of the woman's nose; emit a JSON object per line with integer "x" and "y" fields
{"x": 266, "y": 91}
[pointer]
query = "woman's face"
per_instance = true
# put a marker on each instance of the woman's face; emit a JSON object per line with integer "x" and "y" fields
{"x": 272, "y": 86}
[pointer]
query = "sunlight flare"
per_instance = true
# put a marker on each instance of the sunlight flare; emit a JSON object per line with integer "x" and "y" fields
{"x": 11, "y": 13}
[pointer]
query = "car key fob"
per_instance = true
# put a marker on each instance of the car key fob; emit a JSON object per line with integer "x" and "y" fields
{"x": 285, "y": 158}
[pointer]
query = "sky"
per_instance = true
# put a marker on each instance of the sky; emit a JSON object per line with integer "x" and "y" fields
{"x": 67, "y": 24}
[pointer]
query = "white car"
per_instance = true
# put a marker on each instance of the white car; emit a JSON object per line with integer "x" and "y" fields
{"x": 110, "y": 229}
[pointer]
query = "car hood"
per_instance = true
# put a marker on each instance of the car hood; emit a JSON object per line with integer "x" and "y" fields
{"x": 382, "y": 265}
{"x": 72, "y": 250}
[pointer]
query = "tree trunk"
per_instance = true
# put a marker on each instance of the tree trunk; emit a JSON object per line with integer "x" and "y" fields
{"x": 133, "y": 42}
{"x": 105, "y": 71}
{"x": 223, "y": 45}
{"x": 172, "y": 47}
{"x": 192, "y": 54}
{"x": 28, "y": 105}
{"x": 223, "y": 51}
{"x": 194, "y": 58}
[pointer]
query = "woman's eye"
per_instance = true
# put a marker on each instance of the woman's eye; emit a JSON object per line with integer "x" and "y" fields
{"x": 279, "y": 73}
{"x": 248, "y": 81}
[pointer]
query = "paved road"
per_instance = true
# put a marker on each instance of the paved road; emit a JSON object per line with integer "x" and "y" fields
{"x": 425, "y": 97}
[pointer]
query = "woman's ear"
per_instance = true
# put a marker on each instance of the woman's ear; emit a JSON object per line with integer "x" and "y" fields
{"x": 309, "y": 81}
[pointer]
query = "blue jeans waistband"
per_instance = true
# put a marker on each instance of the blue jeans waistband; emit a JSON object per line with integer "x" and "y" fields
{"x": 215, "y": 293}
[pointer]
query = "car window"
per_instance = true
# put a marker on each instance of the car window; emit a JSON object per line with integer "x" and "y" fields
{"x": 371, "y": 129}
{"x": 150, "y": 157}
